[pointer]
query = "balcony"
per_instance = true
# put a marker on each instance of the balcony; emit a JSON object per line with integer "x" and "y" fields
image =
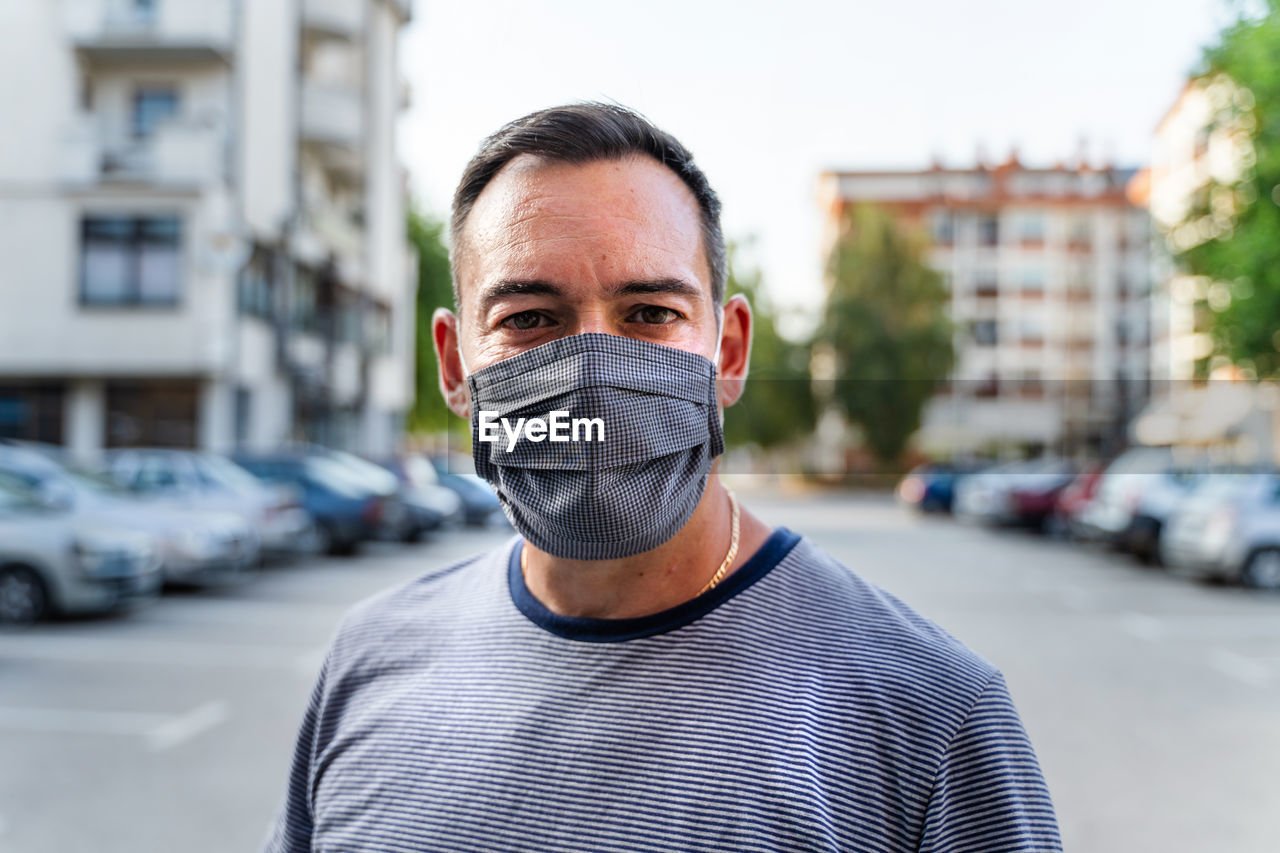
{"x": 332, "y": 113}
{"x": 122, "y": 32}
{"x": 333, "y": 123}
{"x": 177, "y": 155}
{"x": 334, "y": 18}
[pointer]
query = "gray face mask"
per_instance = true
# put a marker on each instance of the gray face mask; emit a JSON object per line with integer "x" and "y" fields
{"x": 622, "y": 467}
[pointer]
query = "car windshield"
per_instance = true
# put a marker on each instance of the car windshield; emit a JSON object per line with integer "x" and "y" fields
{"x": 368, "y": 474}
{"x": 1224, "y": 485}
{"x": 96, "y": 482}
{"x": 336, "y": 477}
{"x": 227, "y": 473}
{"x": 14, "y": 495}
{"x": 420, "y": 472}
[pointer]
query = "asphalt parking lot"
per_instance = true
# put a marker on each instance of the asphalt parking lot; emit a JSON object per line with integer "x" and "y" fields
{"x": 1154, "y": 703}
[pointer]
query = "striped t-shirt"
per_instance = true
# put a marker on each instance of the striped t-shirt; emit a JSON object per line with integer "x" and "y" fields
{"x": 793, "y": 707}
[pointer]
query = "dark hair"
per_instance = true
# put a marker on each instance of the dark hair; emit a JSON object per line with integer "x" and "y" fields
{"x": 584, "y": 133}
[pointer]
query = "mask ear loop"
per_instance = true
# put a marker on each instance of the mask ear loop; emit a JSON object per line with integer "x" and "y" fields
{"x": 715, "y": 359}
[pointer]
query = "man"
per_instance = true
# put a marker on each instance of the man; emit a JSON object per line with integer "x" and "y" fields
{"x": 647, "y": 666}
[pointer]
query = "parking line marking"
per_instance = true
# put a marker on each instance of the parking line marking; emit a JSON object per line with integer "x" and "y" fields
{"x": 1241, "y": 668}
{"x": 67, "y": 721}
{"x": 160, "y": 731}
{"x": 150, "y": 652}
{"x": 180, "y": 729}
{"x": 1142, "y": 626}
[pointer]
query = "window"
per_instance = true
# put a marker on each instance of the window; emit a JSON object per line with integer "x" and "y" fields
{"x": 1033, "y": 279}
{"x": 1032, "y": 328}
{"x": 306, "y": 310}
{"x": 943, "y": 228}
{"x": 988, "y": 230}
{"x": 130, "y": 260}
{"x": 984, "y": 333}
{"x": 157, "y": 413}
{"x": 985, "y": 282}
{"x": 31, "y": 412}
{"x": 256, "y": 287}
{"x": 152, "y": 106}
{"x": 378, "y": 329}
{"x": 1081, "y": 236}
{"x": 244, "y": 402}
{"x": 1031, "y": 228}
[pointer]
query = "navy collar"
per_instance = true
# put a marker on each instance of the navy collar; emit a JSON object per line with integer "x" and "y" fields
{"x": 775, "y": 548}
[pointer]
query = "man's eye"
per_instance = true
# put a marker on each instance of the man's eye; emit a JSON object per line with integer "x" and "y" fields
{"x": 525, "y": 320}
{"x": 654, "y": 315}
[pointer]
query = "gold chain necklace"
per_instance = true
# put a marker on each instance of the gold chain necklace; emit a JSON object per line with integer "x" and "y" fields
{"x": 734, "y": 530}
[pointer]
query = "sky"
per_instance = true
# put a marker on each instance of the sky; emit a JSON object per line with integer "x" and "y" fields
{"x": 768, "y": 95}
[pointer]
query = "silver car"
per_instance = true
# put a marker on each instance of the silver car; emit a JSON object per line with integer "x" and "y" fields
{"x": 1228, "y": 529}
{"x": 196, "y": 547}
{"x": 1136, "y": 495}
{"x": 210, "y": 482}
{"x": 54, "y": 561}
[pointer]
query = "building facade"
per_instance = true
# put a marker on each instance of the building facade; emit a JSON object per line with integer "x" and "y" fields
{"x": 203, "y": 216}
{"x": 1201, "y": 142}
{"x": 1048, "y": 274}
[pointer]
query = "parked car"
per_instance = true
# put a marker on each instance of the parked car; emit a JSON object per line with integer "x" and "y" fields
{"x": 207, "y": 481}
{"x": 989, "y": 496}
{"x": 1034, "y": 492}
{"x": 1075, "y": 498}
{"x": 1228, "y": 529}
{"x": 1137, "y": 493}
{"x": 428, "y": 504}
{"x": 345, "y": 509}
{"x": 931, "y": 487}
{"x": 480, "y": 506}
{"x": 195, "y": 547}
{"x": 56, "y": 561}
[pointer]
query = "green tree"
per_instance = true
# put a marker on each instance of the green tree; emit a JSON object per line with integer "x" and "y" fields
{"x": 435, "y": 289}
{"x": 1244, "y": 256}
{"x": 777, "y": 405}
{"x": 887, "y": 328}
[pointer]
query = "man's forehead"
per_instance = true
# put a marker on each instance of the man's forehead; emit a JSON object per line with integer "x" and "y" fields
{"x": 635, "y": 187}
{"x": 633, "y": 208}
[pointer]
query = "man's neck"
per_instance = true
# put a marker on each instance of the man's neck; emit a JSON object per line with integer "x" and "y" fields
{"x": 651, "y": 582}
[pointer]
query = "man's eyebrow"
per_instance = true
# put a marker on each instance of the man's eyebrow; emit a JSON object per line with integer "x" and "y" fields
{"x": 516, "y": 287}
{"x": 678, "y": 286}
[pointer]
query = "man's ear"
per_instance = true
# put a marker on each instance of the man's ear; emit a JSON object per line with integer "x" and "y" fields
{"x": 735, "y": 350}
{"x": 453, "y": 380}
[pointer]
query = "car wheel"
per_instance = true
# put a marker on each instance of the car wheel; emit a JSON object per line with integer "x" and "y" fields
{"x": 23, "y": 598}
{"x": 1262, "y": 570}
{"x": 319, "y": 539}
{"x": 1143, "y": 541}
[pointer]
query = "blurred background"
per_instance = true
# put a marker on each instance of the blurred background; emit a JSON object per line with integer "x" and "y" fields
{"x": 1016, "y": 276}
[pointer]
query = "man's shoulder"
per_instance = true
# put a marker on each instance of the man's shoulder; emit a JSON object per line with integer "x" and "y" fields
{"x": 852, "y": 626}
{"x": 423, "y": 604}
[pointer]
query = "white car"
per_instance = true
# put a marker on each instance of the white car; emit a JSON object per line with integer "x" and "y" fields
{"x": 52, "y": 561}
{"x": 1136, "y": 495}
{"x": 207, "y": 481}
{"x": 1228, "y": 529}
{"x": 196, "y": 547}
{"x": 987, "y": 496}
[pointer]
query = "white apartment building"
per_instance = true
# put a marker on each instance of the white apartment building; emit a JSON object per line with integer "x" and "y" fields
{"x": 202, "y": 220}
{"x": 1201, "y": 148}
{"x": 1199, "y": 141}
{"x": 1048, "y": 274}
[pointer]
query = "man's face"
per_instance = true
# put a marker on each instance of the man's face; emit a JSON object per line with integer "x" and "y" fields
{"x": 555, "y": 249}
{"x": 613, "y": 246}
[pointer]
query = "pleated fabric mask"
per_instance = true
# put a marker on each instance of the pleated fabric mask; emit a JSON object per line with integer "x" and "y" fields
{"x": 622, "y": 466}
